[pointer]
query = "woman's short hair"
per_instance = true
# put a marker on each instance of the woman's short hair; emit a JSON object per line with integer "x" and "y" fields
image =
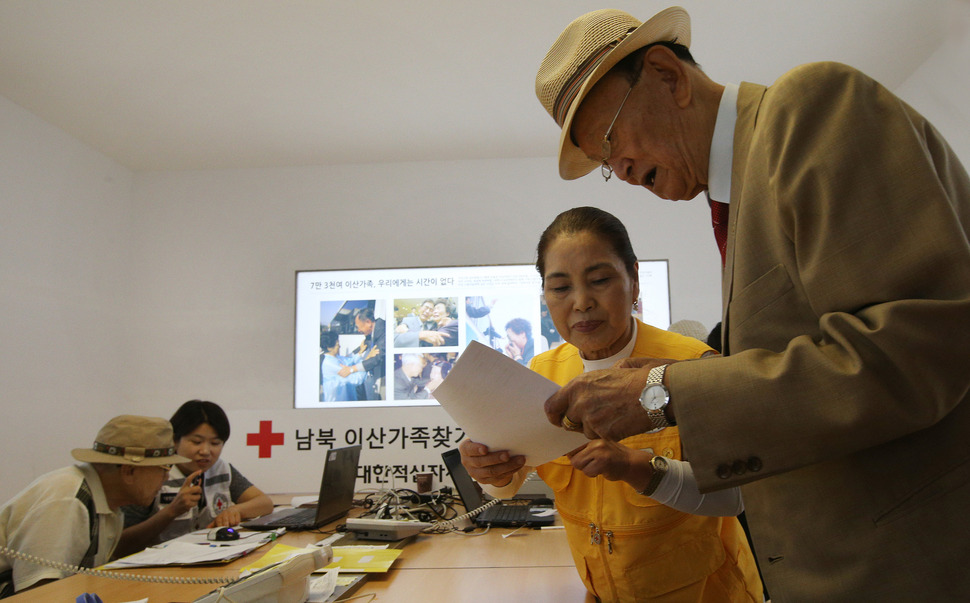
{"x": 450, "y": 309}
{"x": 520, "y": 326}
{"x": 196, "y": 412}
{"x": 604, "y": 225}
{"x": 328, "y": 339}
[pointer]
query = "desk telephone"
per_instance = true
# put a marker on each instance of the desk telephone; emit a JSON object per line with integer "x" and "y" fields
{"x": 286, "y": 582}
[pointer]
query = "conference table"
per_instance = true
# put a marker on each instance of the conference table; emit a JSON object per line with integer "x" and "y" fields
{"x": 528, "y": 565}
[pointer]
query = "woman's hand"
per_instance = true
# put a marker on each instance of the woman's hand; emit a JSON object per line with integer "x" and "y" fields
{"x": 188, "y": 495}
{"x": 229, "y": 517}
{"x": 493, "y": 468}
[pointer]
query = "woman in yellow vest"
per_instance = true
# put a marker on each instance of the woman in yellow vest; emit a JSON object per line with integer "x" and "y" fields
{"x": 638, "y": 529}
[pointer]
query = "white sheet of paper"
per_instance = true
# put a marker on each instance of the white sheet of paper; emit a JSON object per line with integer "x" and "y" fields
{"x": 499, "y": 403}
{"x": 193, "y": 548}
{"x": 321, "y": 587}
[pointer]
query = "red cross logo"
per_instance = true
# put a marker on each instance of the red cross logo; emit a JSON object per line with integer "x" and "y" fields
{"x": 265, "y": 439}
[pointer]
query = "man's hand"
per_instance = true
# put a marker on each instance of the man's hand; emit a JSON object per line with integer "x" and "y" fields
{"x": 493, "y": 468}
{"x": 606, "y": 403}
{"x": 615, "y": 462}
{"x": 188, "y": 495}
{"x": 344, "y": 370}
{"x": 432, "y": 338}
{"x": 433, "y": 383}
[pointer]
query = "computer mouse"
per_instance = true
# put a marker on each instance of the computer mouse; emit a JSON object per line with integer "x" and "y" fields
{"x": 224, "y": 534}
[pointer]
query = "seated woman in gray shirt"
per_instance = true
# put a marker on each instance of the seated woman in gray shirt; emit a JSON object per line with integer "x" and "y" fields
{"x": 206, "y": 492}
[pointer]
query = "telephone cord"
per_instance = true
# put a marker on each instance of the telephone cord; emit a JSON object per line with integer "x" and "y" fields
{"x": 12, "y": 554}
{"x": 444, "y": 526}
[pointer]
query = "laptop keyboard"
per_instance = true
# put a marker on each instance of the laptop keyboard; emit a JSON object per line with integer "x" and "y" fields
{"x": 299, "y": 517}
{"x": 508, "y": 513}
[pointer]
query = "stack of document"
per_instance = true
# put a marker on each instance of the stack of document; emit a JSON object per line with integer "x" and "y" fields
{"x": 196, "y": 548}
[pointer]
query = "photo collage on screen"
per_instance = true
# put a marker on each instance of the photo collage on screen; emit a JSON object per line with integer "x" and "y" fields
{"x": 389, "y": 337}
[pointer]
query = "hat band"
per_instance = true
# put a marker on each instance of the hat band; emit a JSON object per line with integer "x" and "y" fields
{"x": 133, "y": 452}
{"x": 573, "y": 85}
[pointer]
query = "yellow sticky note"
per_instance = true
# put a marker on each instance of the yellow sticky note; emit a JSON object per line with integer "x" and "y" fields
{"x": 353, "y": 559}
{"x": 277, "y": 554}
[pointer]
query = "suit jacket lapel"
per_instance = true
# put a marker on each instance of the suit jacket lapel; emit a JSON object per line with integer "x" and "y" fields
{"x": 749, "y": 101}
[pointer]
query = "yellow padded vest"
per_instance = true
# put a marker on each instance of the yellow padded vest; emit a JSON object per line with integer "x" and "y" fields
{"x": 626, "y": 546}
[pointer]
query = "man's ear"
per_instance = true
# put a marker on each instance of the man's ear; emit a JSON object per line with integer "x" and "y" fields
{"x": 671, "y": 71}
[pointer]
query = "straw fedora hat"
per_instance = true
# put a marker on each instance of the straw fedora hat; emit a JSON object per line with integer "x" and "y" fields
{"x": 584, "y": 52}
{"x": 132, "y": 440}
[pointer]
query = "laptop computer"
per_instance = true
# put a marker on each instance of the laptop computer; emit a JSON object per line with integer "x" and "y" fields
{"x": 512, "y": 513}
{"x": 335, "y": 500}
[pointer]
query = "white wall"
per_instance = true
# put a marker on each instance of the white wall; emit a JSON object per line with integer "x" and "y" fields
{"x": 64, "y": 284}
{"x": 214, "y": 254}
{"x": 133, "y": 293}
{"x": 941, "y": 86}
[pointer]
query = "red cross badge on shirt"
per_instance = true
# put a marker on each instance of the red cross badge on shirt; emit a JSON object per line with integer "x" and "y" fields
{"x": 221, "y": 503}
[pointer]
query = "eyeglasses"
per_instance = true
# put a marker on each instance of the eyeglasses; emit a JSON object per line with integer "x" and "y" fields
{"x": 606, "y": 169}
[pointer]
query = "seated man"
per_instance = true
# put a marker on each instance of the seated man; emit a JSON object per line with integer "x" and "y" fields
{"x": 408, "y": 381}
{"x": 72, "y": 515}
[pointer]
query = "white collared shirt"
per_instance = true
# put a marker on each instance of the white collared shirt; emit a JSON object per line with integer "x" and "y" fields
{"x": 47, "y": 519}
{"x": 722, "y": 146}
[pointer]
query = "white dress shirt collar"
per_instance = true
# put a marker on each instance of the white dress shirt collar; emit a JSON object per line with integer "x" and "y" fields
{"x": 722, "y": 146}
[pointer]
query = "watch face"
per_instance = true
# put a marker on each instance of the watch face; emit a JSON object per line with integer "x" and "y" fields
{"x": 654, "y": 397}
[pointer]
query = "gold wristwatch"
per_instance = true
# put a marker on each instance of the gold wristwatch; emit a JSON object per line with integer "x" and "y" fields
{"x": 660, "y": 467}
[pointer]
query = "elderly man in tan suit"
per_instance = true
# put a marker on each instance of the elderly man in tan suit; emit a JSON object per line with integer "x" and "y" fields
{"x": 841, "y": 401}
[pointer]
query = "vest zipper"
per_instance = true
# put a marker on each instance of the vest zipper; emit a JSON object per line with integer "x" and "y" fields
{"x": 596, "y": 537}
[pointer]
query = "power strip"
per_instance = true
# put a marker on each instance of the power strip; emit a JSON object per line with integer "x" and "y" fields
{"x": 385, "y": 529}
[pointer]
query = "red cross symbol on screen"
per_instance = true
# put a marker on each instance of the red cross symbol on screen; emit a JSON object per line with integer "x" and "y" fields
{"x": 265, "y": 439}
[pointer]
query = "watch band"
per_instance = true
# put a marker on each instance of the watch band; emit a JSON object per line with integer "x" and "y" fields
{"x": 656, "y": 375}
{"x": 659, "y": 417}
{"x": 659, "y": 465}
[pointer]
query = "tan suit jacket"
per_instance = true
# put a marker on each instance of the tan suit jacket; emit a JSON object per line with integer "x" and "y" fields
{"x": 842, "y": 401}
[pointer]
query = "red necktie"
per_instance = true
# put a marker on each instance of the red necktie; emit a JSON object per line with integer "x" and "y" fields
{"x": 719, "y": 217}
